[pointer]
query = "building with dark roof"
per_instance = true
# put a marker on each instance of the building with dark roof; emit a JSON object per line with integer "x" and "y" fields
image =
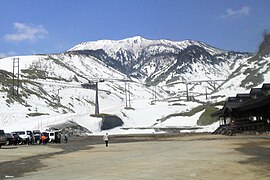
{"x": 256, "y": 93}
{"x": 246, "y": 112}
{"x": 266, "y": 88}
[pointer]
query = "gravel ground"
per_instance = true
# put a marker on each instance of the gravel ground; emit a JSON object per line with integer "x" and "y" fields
{"x": 155, "y": 156}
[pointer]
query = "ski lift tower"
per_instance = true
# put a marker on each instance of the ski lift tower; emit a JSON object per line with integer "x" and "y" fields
{"x": 16, "y": 68}
{"x": 96, "y": 102}
{"x": 94, "y": 85}
{"x": 127, "y": 96}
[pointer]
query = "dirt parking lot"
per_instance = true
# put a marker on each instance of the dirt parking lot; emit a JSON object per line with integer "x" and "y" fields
{"x": 163, "y": 156}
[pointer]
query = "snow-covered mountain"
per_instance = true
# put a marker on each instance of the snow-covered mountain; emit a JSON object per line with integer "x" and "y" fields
{"x": 162, "y": 61}
{"x": 51, "y": 91}
{"x": 137, "y": 44}
{"x": 249, "y": 72}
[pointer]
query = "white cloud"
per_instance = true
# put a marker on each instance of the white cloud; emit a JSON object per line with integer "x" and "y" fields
{"x": 244, "y": 11}
{"x": 26, "y": 32}
{"x": 10, "y": 53}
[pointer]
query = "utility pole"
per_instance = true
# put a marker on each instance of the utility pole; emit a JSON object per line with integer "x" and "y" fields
{"x": 129, "y": 95}
{"x": 126, "y": 94}
{"x": 187, "y": 91}
{"x": 155, "y": 94}
{"x": 206, "y": 93}
{"x": 96, "y": 104}
{"x": 16, "y": 65}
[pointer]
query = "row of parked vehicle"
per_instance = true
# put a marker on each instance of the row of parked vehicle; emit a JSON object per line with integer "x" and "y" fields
{"x": 29, "y": 137}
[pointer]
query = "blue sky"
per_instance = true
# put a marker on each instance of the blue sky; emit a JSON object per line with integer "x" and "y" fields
{"x": 54, "y": 26}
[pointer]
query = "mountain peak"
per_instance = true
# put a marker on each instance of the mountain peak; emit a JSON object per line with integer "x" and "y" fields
{"x": 134, "y": 38}
{"x": 135, "y": 45}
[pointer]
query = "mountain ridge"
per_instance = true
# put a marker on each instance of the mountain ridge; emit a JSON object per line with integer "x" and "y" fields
{"x": 136, "y": 40}
{"x": 145, "y": 59}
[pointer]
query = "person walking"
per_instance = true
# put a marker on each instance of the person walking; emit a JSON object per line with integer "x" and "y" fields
{"x": 106, "y": 139}
{"x": 43, "y": 139}
{"x": 59, "y": 137}
{"x": 66, "y": 138}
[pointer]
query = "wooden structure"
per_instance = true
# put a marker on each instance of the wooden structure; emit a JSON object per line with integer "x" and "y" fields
{"x": 246, "y": 112}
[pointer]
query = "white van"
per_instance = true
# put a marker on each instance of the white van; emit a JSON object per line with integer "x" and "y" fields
{"x": 51, "y": 136}
{"x": 54, "y": 137}
{"x": 25, "y": 136}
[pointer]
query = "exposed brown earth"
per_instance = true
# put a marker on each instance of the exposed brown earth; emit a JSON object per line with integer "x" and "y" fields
{"x": 155, "y": 156}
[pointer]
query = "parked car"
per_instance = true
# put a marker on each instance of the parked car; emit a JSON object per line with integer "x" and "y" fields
{"x": 54, "y": 137}
{"x": 9, "y": 139}
{"x": 26, "y": 136}
{"x": 51, "y": 137}
{"x": 36, "y": 136}
{"x": 3, "y": 138}
{"x": 16, "y": 139}
{"x": 12, "y": 139}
